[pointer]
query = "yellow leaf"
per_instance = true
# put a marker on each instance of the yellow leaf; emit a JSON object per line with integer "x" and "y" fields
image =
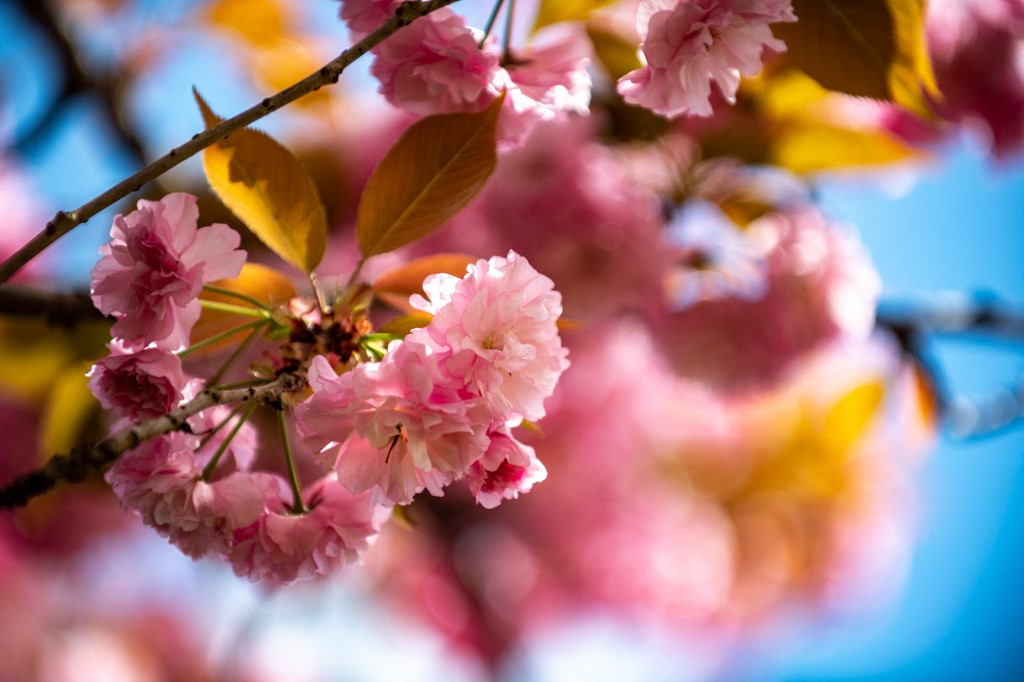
{"x": 438, "y": 165}
{"x": 67, "y": 412}
{"x": 395, "y": 286}
{"x": 616, "y": 54}
{"x": 269, "y": 190}
{"x": 554, "y": 11}
{"x": 850, "y": 416}
{"x": 807, "y": 147}
{"x": 255, "y": 281}
{"x": 870, "y": 48}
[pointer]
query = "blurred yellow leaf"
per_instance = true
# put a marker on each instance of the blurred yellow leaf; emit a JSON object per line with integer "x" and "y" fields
{"x": 438, "y": 165}
{"x": 32, "y": 356}
{"x": 269, "y": 190}
{"x": 787, "y": 119}
{"x": 617, "y": 54}
{"x": 68, "y": 409}
{"x": 554, "y": 11}
{"x": 395, "y": 286}
{"x": 869, "y": 48}
{"x": 808, "y": 148}
{"x": 259, "y": 22}
{"x": 849, "y": 418}
{"x": 255, "y": 281}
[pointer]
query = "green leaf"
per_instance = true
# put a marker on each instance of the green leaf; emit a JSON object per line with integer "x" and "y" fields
{"x": 869, "y": 48}
{"x": 269, "y": 190}
{"x": 554, "y": 11}
{"x": 438, "y": 165}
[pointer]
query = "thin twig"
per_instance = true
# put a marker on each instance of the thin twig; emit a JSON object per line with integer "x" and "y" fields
{"x": 83, "y": 461}
{"x": 63, "y": 222}
{"x": 65, "y": 309}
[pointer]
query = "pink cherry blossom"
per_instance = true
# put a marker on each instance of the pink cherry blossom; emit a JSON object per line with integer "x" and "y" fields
{"x": 154, "y": 267}
{"x": 434, "y": 65}
{"x": 139, "y": 385}
{"x": 400, "y": 428}
{"x": 506, "y": 469}
{"x": 244, "y": 442}
{"x": 437, "y": 66}
{"x": 690, "y": 43}
{"x": 162, "y": 482}
{"x": 283, "y": 547}
{"x": 365, "y": 16}
{"x": 543, "y": 83}
{"x": 496, "y": 331}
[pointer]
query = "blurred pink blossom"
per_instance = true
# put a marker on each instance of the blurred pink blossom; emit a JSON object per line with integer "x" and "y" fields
{"x": 139, "y": 385}
{"x": 819, "y": 285}
{"x": 151, "y": 272}
{"x": 977, "y": 47}
{"x": 365, "y": 16}
{"x": 690, "y": 43}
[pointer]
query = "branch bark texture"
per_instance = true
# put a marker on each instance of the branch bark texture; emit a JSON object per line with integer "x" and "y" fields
{"x": 81, "y": 462}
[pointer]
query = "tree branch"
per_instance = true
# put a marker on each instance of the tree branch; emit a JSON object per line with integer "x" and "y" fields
{"x": 65, "y": 309}
{"x": 63, "y": 222}
{"x": 82, "y": 461}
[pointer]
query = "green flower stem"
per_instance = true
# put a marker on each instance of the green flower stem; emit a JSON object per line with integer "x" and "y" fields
{"x": 235, "y": 294}
{"x": 235, "y": 354}
{"x": 298, "y": 505}
{"x": 216, "y": 429}
{"x": 506, "y": 51}
{"x": 490, "y": 22}
{"x": 223, "y": 335}
{"x": 209, "y": 468}
{"x": 230, "y": 308}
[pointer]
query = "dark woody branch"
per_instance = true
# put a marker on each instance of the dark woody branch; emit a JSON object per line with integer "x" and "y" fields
{"x": 82, "y": 461}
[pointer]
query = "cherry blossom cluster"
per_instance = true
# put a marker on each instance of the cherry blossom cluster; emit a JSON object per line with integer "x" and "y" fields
{"x": 443, "y": 401}
{"x": 440, "y": 65}
{"x": 437, "y": 407}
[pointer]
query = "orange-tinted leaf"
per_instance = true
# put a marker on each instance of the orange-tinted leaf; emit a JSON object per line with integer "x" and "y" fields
{"x": 269, "y": 190}
{"x": 438, "y": 165}
{"x": 255, "y": 281}
{"x": 395, "y": 286}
